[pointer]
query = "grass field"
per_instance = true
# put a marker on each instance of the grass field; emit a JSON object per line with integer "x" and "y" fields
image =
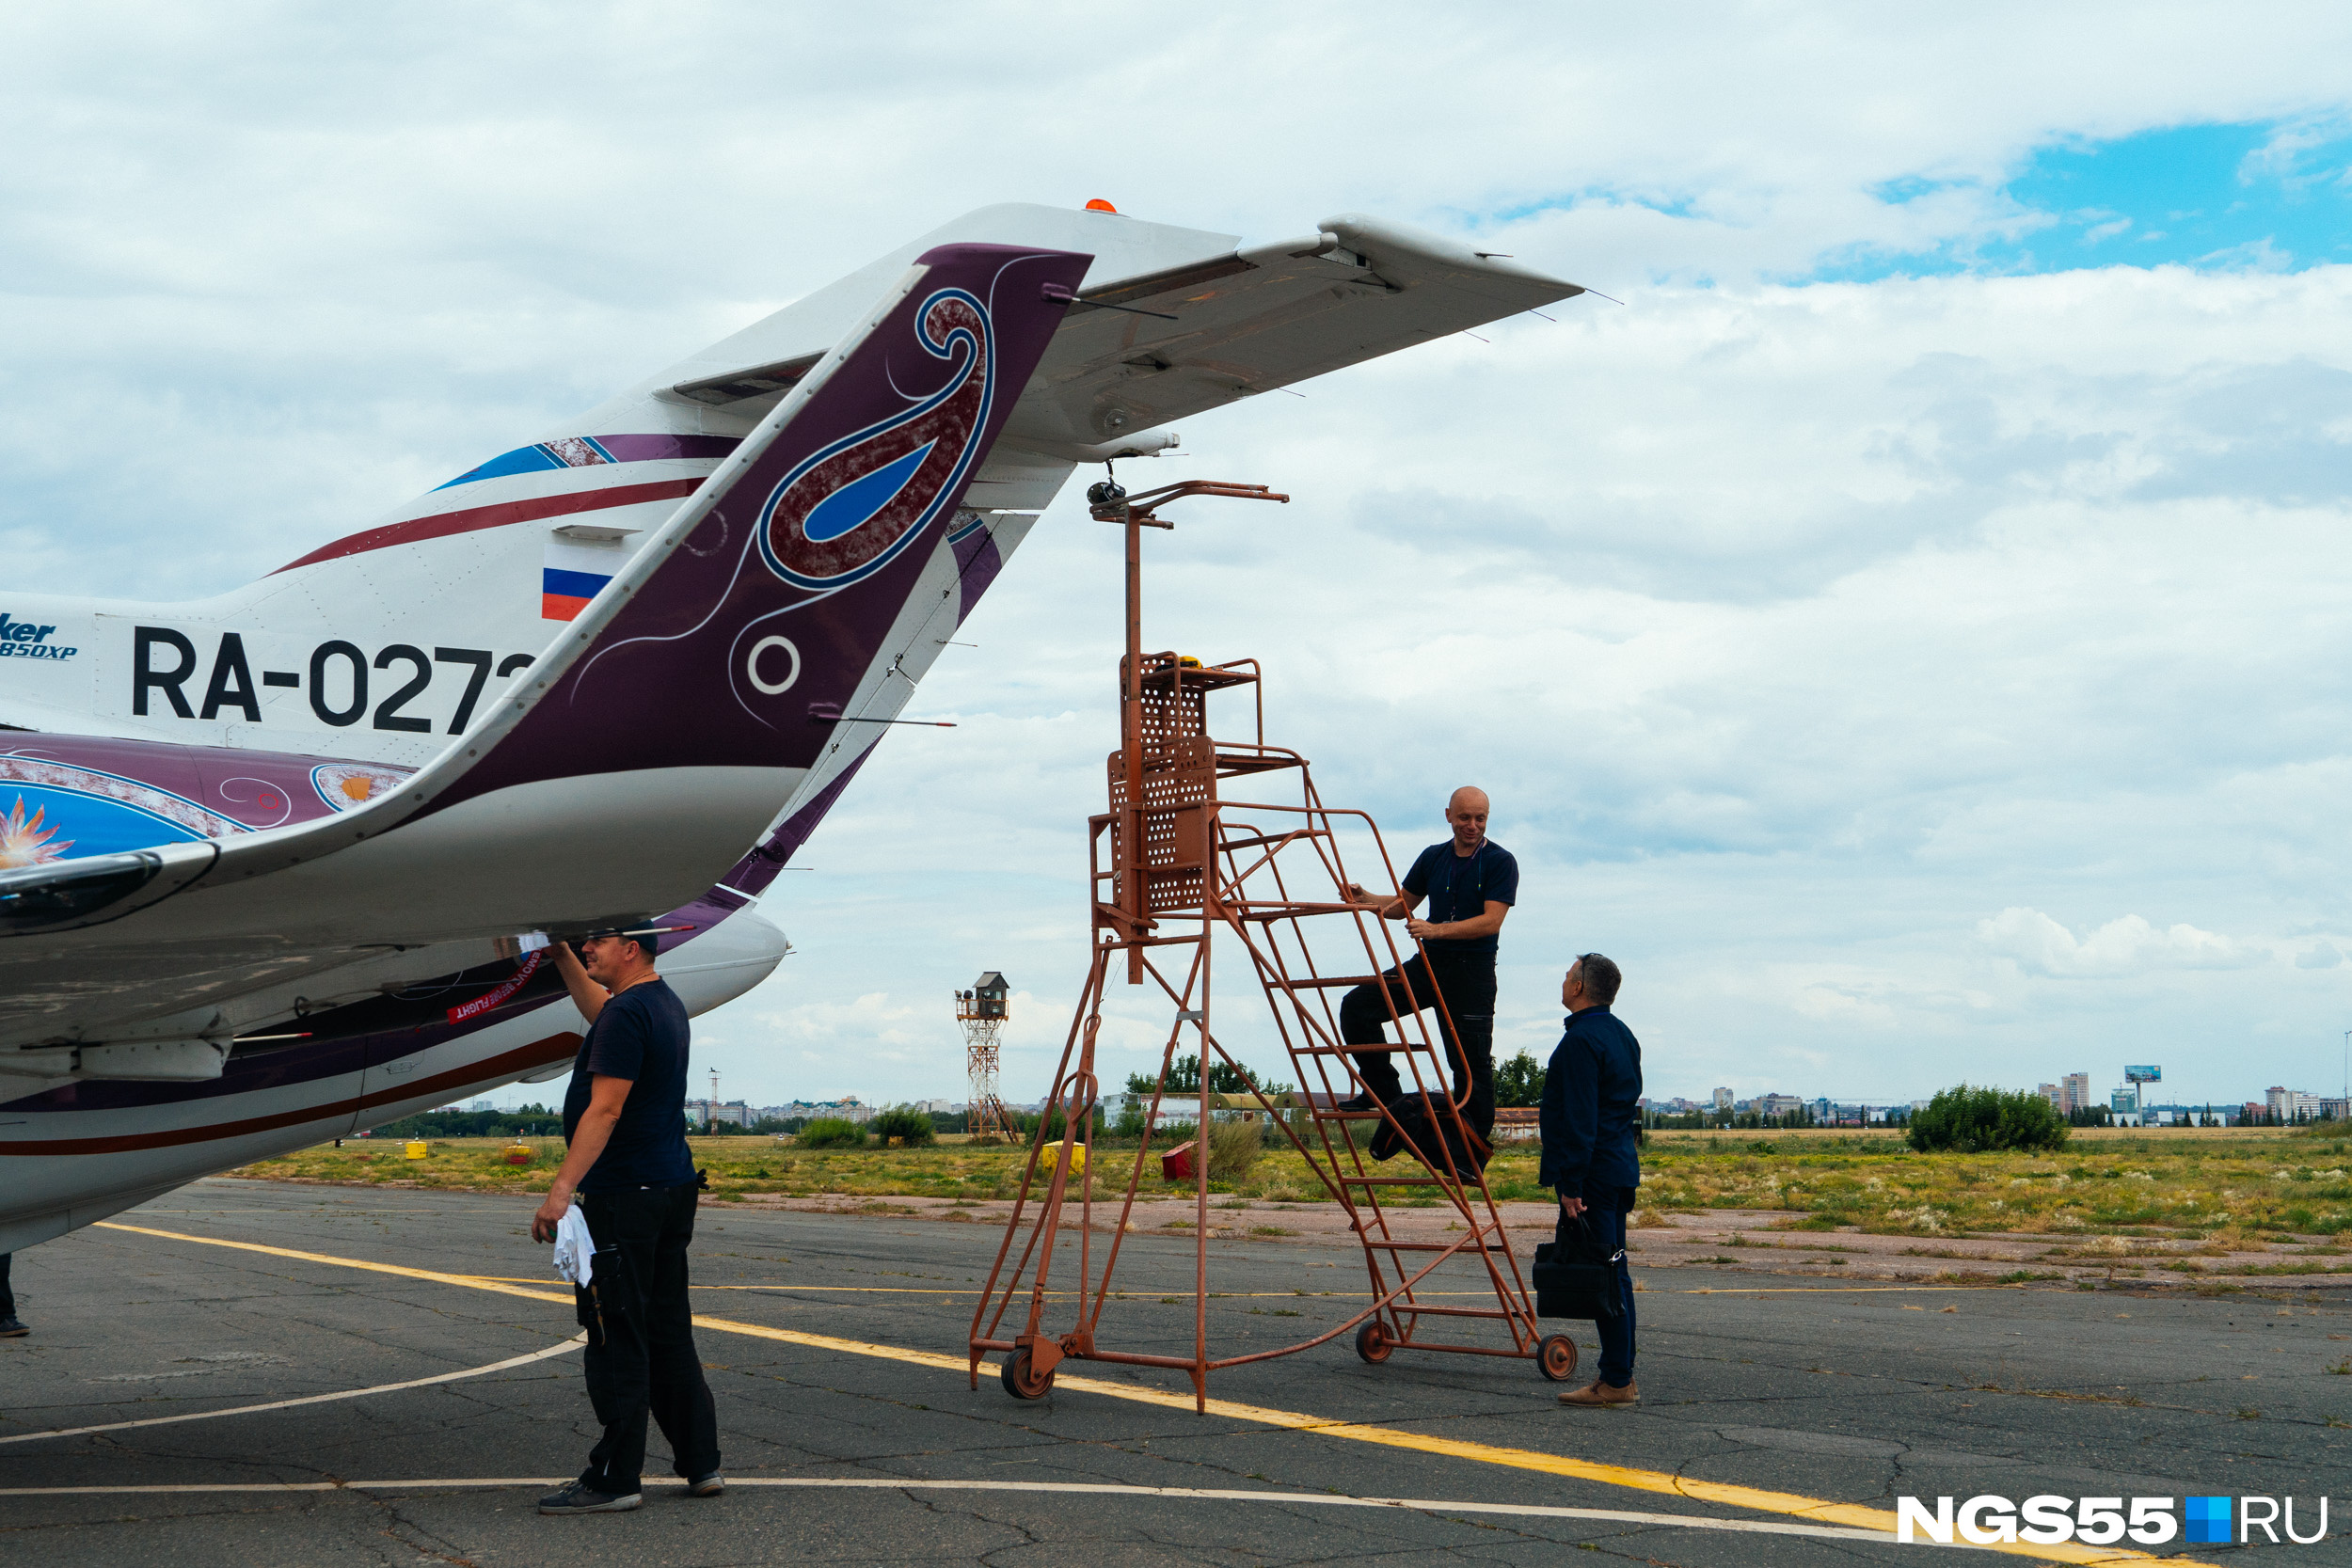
{"x": 2214, "y": 1186}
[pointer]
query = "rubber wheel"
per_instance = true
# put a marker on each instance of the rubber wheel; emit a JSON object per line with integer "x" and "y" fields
{"x": 1373, "y": 1342}
{"x": 1557, "y": 1357}
{"x": 1019, "y": 1382}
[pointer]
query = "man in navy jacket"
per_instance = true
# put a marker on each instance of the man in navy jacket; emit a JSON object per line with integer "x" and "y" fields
{"x": 1592, "y": 1158}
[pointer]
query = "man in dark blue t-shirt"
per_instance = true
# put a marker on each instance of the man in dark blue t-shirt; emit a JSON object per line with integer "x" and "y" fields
{"x": 1470, "y": 883}
{"x": 627, "y": 1160}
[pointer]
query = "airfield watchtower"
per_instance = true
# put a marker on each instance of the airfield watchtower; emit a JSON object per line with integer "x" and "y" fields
{"x": 982, "y": 1011}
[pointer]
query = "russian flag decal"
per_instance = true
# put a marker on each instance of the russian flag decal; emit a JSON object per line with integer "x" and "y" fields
{"x": 571, "y": 576}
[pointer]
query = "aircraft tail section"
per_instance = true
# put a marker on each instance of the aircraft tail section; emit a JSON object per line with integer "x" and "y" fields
{"x": 676, "y": 719}
{"x": 751, "y": 619}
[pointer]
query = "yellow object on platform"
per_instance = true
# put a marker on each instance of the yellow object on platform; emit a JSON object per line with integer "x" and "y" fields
{"x": 416, "y": 1148}
{"x": 1051, "y": 1158}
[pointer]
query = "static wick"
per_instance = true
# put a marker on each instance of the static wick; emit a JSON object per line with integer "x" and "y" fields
{"x": 1054, "y": 293}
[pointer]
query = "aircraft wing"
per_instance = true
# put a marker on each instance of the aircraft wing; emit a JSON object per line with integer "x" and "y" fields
{"x": 1246, "y": 321}
{"x": 663, "y": 732}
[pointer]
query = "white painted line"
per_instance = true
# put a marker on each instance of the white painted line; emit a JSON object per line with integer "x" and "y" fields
{"x": 572, "y": 1343}
{"x": 1178, "y": 1494}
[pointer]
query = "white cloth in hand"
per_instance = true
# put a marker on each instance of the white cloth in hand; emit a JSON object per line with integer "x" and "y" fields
{"x": 575, "y": 1249}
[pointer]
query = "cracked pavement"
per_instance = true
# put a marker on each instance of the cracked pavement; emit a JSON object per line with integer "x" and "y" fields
{"x": 1852, "y": 1395}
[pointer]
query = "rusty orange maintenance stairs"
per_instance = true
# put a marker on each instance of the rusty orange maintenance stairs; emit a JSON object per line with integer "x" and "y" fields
{"x": 1180, "y": 863}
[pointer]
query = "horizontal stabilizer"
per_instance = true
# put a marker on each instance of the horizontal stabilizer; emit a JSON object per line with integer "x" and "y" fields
{"x": 1142, "y": 351}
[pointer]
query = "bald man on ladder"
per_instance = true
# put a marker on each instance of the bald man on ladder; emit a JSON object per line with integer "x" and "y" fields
{"x": 1470, "y": 883}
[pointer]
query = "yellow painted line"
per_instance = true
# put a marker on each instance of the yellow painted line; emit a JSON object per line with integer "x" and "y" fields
{"x": 1853, "y": 1515}
{"x": 966, "y": 1290}
{"x": 476, "y": 1282}
{"x": 1828, "y": 1290}
{"x": 1313, "y": 1295}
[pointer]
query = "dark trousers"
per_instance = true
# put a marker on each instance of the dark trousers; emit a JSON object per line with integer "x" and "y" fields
{"x": 1466, "y": 1024}
{"x": 8, "y": 1295}
{"x": 641, "y": 1357}
{"x": 1605, "y": 1210}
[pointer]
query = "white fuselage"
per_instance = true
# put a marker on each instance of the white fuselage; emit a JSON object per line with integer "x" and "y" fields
{"x": 114, "y": 1156}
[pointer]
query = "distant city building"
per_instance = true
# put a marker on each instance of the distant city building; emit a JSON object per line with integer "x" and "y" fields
{"x": 1722, "y": 1100}
{"x": 2056, "y": 1095}
{"x": 2291, "y": 1105}
{"x": 481, "y": 1106}
{"x": 847, "y": 1108}
{"x": 2074, "y": 1092}
{"x": 2125, "y": 1100}
{"x": 1779, "y": 1104}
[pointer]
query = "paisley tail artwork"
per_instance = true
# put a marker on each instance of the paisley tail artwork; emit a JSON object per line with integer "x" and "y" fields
{"x": 845, "y": 510}
{"x": 766, "y": 598}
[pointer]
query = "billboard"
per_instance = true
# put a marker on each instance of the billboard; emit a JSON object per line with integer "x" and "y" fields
{"x": 2143, "y": 1075}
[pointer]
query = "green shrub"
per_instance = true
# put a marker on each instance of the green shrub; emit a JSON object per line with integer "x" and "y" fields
{"x": 905, "y": 1123}
{"x": 832, "y": 1133}
{"x": 1233, "y": 1147}
{"x": 1974, "y": 1120}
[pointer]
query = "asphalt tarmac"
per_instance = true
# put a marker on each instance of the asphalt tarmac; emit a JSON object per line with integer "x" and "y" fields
{"x": 852, "y": 1434}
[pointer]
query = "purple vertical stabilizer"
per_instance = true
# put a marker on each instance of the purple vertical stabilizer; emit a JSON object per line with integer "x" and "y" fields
{"x": 765, "y": 601}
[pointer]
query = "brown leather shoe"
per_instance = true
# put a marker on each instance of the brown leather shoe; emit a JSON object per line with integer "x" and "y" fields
{"x": 1601, "y": 1394}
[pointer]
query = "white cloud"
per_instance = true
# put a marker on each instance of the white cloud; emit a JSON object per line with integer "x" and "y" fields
{"x": 1832, "y": 1003}
{"x": 2120, "y": 949}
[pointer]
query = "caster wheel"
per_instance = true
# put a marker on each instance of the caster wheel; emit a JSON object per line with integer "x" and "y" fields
{"x": 1023, "y": 1384}
{"x": 1557, "y": 1357}
{"x": 1373, "y": 1342}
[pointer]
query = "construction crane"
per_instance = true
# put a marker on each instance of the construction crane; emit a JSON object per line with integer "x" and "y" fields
{"x": 982, "y": 1011}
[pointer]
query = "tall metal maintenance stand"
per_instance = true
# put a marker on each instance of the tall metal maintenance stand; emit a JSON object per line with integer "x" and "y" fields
{"x": 982, "y": 1011}
{"x": 1178, "y": 865}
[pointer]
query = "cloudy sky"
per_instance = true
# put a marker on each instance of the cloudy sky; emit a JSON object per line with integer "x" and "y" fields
{"x": 1908, "y": 632}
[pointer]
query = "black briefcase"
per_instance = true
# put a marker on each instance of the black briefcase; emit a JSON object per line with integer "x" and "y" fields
{"x": 1581, "y": 1285}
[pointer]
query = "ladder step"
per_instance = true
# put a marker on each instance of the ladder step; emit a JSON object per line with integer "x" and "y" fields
{"x": 1246, "y": 762}
{"x": 1324, "y": 985}
{"x": 1231, "y": 846}
{"x": 1450, "y": 1312}
{"x": 1431, "y": 1180}
{"x": 1411, "y": 1048}
{"x": 1431, "y": 1246}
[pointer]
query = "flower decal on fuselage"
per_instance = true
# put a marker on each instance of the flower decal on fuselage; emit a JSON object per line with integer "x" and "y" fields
{"x": 850, "y": 508}
{"x": 25, "y": 841}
